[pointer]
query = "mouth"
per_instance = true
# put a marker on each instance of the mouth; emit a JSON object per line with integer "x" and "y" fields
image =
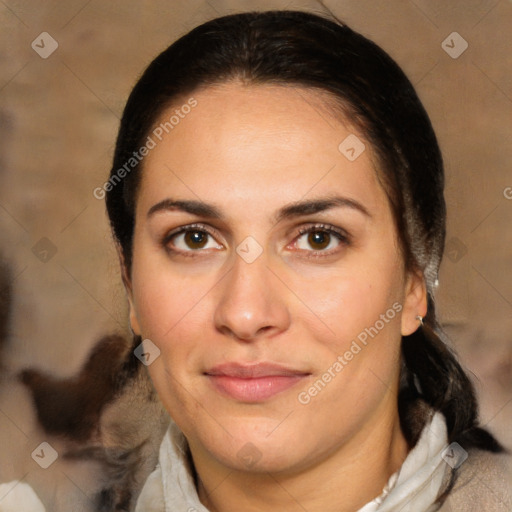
{"x": 254, "y": 382}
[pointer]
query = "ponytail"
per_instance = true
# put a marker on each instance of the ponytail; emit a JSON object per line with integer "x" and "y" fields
{"x": 432, "y": 378}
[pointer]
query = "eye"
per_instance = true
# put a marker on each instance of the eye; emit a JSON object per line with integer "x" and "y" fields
{"x": 320, "y": 238}
{"x": 191, "y": 238}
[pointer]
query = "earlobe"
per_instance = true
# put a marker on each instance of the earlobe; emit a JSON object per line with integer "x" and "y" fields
{"x": 415, "y": 303}
{"x": 134, "y": 322}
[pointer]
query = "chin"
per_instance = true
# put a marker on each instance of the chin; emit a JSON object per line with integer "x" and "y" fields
{"x": 254, "y": 445}
{"x": 255, "y": 458}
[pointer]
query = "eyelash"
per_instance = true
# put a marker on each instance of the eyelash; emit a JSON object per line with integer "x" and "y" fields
{"x": 183, "y": 229}
{"x": 342, "y": 236}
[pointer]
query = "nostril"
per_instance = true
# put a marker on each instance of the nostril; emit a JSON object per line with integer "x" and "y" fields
{"x": 244, "y": 335}
{"x": 264, "y": 329}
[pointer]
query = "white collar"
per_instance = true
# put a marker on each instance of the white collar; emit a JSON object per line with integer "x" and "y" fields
{"x": 416, "y": 485}
{"x": 414, "y": 488}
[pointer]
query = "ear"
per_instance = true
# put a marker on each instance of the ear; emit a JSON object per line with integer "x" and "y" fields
{"x": 125, "y": 276}
{"x": 415, "y": 302}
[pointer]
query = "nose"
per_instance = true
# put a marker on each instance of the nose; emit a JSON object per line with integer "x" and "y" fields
{"x": 253, "y": 302}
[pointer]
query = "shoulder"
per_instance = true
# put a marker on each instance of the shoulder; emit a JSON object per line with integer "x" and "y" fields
{"x": 484, "y": 483}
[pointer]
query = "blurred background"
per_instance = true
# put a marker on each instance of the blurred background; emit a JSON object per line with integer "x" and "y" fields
{"x": 66, "y": 69}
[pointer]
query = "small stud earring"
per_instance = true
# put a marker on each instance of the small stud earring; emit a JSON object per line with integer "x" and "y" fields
{"x": 420, "y": 319}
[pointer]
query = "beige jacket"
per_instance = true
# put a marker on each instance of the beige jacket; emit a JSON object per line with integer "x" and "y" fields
{"x": 484, "y": 485}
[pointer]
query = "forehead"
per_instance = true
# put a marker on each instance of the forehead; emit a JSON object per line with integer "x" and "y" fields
{"x": 266, "y": 143}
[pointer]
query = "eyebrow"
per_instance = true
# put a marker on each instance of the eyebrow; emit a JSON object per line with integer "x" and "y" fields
{"x": 297, "y": 209}
{"x": 302, "y": 208}
{"x": 198, "y": 208}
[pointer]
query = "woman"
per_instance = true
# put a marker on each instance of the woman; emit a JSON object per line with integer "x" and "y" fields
{"x": 277, "y": 200}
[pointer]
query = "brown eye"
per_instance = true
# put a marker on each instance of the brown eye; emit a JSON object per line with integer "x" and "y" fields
{"x": 196, "y": 239}
{"x": 190, "y": 239}
{"x": 319, "y": 240}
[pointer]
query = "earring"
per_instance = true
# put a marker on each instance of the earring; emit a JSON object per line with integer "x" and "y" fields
{"x": 420, "y": 319}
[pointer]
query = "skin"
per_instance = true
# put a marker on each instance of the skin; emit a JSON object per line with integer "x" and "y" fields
{"x": 251, "y": 151}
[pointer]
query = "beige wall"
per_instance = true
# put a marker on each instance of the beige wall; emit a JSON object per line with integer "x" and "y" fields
{"x": 58, "y": 122}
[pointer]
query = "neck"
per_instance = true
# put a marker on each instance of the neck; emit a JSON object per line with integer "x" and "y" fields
{"x": 349, "y": 478}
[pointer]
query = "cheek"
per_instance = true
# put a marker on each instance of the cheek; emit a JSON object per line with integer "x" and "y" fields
{"x": 165, "y": 301}
{"x": 359, "y": 356}
{"x": 173, "y": 311}
{"x": 359, "y": 360}
{"x": 346, "y": 302}
{"x": 172, "y": 315}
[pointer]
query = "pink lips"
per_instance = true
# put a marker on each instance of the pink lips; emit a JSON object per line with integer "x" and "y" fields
{"x": 253, "y": 383}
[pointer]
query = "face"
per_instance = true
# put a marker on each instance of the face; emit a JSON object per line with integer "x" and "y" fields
{"x": 266, "y": 269}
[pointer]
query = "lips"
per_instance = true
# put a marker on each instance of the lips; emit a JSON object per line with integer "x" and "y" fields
{"x": 254, "y": 382}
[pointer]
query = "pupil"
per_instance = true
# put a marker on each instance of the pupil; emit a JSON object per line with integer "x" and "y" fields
{"x": 195, "y": 239}
{"x": 319, "y": 239}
